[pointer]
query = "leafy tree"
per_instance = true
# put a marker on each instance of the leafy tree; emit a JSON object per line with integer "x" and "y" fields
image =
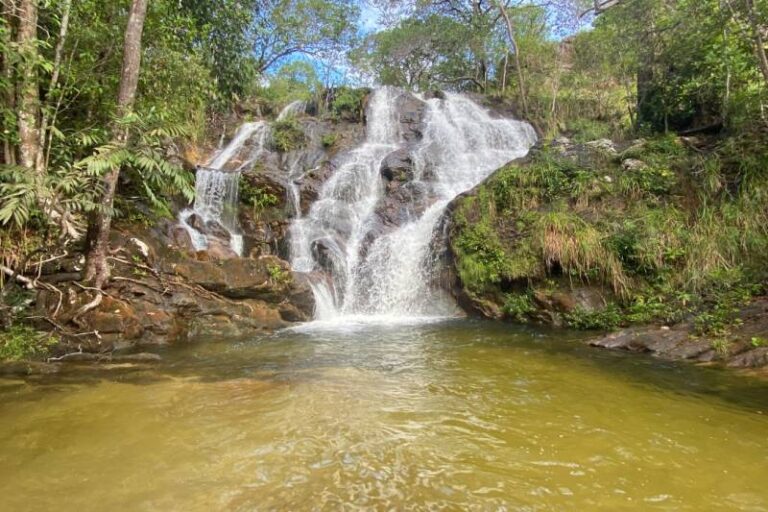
{"x": 417, "y": 53}
{"x": 285, "y": 28}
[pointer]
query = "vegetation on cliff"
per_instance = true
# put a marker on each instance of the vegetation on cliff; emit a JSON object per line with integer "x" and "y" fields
{"x": 664, "y": 228}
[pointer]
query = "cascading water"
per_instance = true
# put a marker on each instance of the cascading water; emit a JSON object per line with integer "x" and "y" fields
{"x": 388, "y": 274}
{"x": 217, "y": 183}
{"x": 339, "y": 220}
{"x": 292, "y": 109}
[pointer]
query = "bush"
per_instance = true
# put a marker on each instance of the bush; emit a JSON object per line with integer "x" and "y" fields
{"x": 605, "y": 319}
{"x": 329, "y": 140}
{"x": 586, "y": 130}
{"x": 518, "y": 306}
{"x": 287, "y": 135}
{"x": 258, "y": 198}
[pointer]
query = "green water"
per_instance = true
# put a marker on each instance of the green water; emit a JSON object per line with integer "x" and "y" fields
{"x": 452, "y": 416}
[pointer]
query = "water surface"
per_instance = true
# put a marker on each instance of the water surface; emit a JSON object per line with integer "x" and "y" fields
{"x": 455, "y": 415}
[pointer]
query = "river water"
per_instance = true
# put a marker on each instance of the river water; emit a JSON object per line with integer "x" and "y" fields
{"x": 456, "y": 415}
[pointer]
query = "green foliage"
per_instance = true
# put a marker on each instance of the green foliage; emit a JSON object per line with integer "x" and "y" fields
{"x": 297, "y": 80}
{"x": 726, "y": 293}
{"x": 287, "y": 135}
{"x": 600, "y": 319}
{"x": 585, "y": 130}
{"x": 278, "y": 275}
{"x": 573, "y": 220}
{"x": 143, "y": 161}
{"x": 419, "y": 53}
{"x": 517, "y": 306}
{"x": 256, "y": 197}
{"x": 329, "y": 140}
{"x": 696, "y": 66}
{"x": 347, "y": 103}
{"x": 22, "y": 342}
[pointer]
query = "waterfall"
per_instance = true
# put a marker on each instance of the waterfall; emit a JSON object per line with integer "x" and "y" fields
{"x": 339, "y": 219}
{"x": 387, "y": 272}
{"x": 214, "y": 213}
{"x": 292, "y": 109}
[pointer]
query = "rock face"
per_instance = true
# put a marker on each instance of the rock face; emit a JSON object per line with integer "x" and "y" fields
{"x": 160, "y": 295}
{"x": 411, "y": 111}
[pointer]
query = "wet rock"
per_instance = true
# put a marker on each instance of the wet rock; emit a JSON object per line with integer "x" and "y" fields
{"x": 411, "y": 111}
{"x": 209, "y": 228}
{"x": 219, "y": 250}
{"x": 587, "y": 299}
{"x": 300, "y": 300}
{"x": 434, "y": 94}
{"x": 397, "y": 166}
{"x": 755, "y": 358}
{"x": 651, "y": 339}
{"x": 679, "y": 342}
{"x": 312, "y": 182}
{"x": 114, "y": 316}
{"x": 180, "y": 238}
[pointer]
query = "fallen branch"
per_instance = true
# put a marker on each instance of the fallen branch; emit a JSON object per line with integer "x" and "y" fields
{"x": 27, "y": 282}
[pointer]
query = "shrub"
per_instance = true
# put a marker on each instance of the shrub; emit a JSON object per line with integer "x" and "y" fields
{"x": 329, "y": 140}
{"x": 518, "y": 306}
{"x": 278, "y": 275}
{"x": 347, "y": 103}
{"x": 585, "y": 130}
{"x": 605, "y": 319}
{"x": 287, "y": 135}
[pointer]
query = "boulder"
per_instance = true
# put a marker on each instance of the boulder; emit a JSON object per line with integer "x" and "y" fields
{"x": 606, "y": 146}
{"x": 397, "y": 166}
{"x": 411, "y": 111}
{"x": 633, "y": 164}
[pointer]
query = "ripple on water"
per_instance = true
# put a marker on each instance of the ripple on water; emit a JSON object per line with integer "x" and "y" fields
{"x": 446, "y": 415}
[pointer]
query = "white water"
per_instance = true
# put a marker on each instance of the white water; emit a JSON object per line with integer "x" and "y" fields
{"x": 217, "y": 183}
{"x": 462, "y": 145}
{"x": 292, "y": 109}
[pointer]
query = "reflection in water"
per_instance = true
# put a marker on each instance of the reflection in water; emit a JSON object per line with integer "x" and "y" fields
{"x": 457, "y": 416}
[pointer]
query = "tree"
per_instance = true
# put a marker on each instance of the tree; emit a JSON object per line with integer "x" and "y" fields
{"x": 515, "y": 49}
{"x": 221, "y": 30}
{"x": 418, "y": 54}
{"x": 97, "y": 268}
{"x": 283, "y": 28}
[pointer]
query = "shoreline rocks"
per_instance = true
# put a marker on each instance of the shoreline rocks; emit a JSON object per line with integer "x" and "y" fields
{"x": 679, "y": 342}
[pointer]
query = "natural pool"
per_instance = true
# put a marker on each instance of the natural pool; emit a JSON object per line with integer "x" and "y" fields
{"x": 457, "y": 415}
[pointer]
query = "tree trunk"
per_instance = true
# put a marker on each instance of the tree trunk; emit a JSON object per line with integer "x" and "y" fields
{"x": 759, "y": 43}
{"x": 41, "y": 163}
{"x": 28, "y": 100}
{"x": 97, "y": 269}
{"x": 9, "y": 96}
{"x": 504, "y": 73}
{"x": 516, "y": 50}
